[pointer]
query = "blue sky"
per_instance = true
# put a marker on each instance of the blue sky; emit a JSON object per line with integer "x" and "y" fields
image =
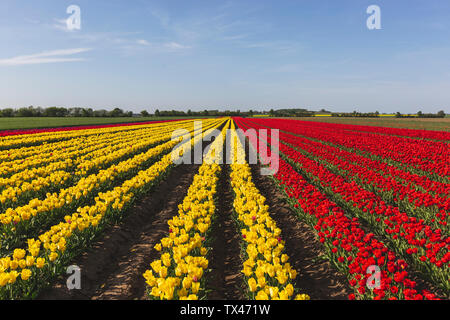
{"x": 240, "y": 54}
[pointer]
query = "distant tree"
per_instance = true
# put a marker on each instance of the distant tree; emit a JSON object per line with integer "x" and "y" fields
{"x": 144, "y": 113}
{"x": 8, "y": 112}
{"x": 87, "y": 112}
{"x": 250, "y": 113}
{"x": 55, "y": 112}
{"x": 157, "y": 113}
{"x": 420, "y": 114}
{"x": 25, "y": 112}
{"x": 441, "y": 114}
{"x": 272, "y": 112}
{"x": 75, "y": 112}
{"x": 189, "y": 113}
{"x": 100, "y": 113}
{"x": 39, "y": 112}
{"x": 116, "y": 112}
{"x": 398, "y": 115}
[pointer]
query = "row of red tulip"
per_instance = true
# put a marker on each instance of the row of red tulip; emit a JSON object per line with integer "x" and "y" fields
{"x": 426, "y": 248}
{"x": 432, "y": 208}
{"x": 348, "y": 246}
{"x": 413, "y": 133}
{"x": 430, "y": 157}
{"x": 412, "y": 180}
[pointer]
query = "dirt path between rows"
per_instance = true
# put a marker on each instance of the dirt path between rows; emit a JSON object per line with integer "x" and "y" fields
{"x": 112, "y": 267}
{"x": 316, "y": 277}
{"x": 225, "y": 279}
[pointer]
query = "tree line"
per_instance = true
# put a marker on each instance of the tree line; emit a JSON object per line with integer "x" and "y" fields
{"x": 354, "y": 114}
{"x": 117, "y": 112}
{"x": 204, "y": 113}
{"x": 420, "y": 114}
{"x": 63, "y": 112}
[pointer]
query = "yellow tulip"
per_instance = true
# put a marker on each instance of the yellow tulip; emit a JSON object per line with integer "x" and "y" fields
{"x": 283, "y": 295}
{"x": 163, "y": 272}
{"x": 187, "y": 281}
{"x": 40, "y": 262}
{"x": 289, "y": 290}
{"x": 13, "y": 276}
{"x": 252, "y": 284}
{"x": 14, "y": 264}
{"x": 195, "y": 287}
{"x": 262, "y": 295}
{"x": 182, "y": 292}
{"x": 261, "y": 282}
{"x": 25, "y": 274}
{"x": 19, "y": 254}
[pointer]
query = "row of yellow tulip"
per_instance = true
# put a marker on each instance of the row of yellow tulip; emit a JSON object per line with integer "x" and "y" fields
{"x": 107, "y": 154}
{"x": 24, "y": 272}
{"x": 151, "y": 139}
{"x": 178, "y": 274}
{"x": 49, "y": 146}
{"x": 23, "y": 219}
{"x": 11, "y": 195}
{"x": 53, "y": 148}
{"x": 34, "y": 139}
{"x": 77, "y": 150}
{"x": 97, "y": 157}
{"x": 266, "y": 269}
{"x": 56, "y": 174}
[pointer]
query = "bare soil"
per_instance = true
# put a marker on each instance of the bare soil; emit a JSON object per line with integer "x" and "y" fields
{"x": 225, "y": 280}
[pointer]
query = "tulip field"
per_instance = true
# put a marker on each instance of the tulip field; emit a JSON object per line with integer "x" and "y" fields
{"x": 374, "y": 201}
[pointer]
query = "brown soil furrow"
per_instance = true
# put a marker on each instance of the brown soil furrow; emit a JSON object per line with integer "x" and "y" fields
{"x": 225, "y": 278}
{"x": 316, "y": 277}
{"x": 113, "y": 266}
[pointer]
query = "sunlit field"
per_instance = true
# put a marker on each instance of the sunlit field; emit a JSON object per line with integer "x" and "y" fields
{"x": 371, "y": 202}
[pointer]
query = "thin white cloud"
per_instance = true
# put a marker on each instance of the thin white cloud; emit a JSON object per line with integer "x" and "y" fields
{"x": 54, "y": 56}
{"x": 143, "y": 42}
{"x": 61, "y": 24}
{"x": 175, "y": 46}
{"x": 105, "y": 38}
{"x": 236, "y": 37}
